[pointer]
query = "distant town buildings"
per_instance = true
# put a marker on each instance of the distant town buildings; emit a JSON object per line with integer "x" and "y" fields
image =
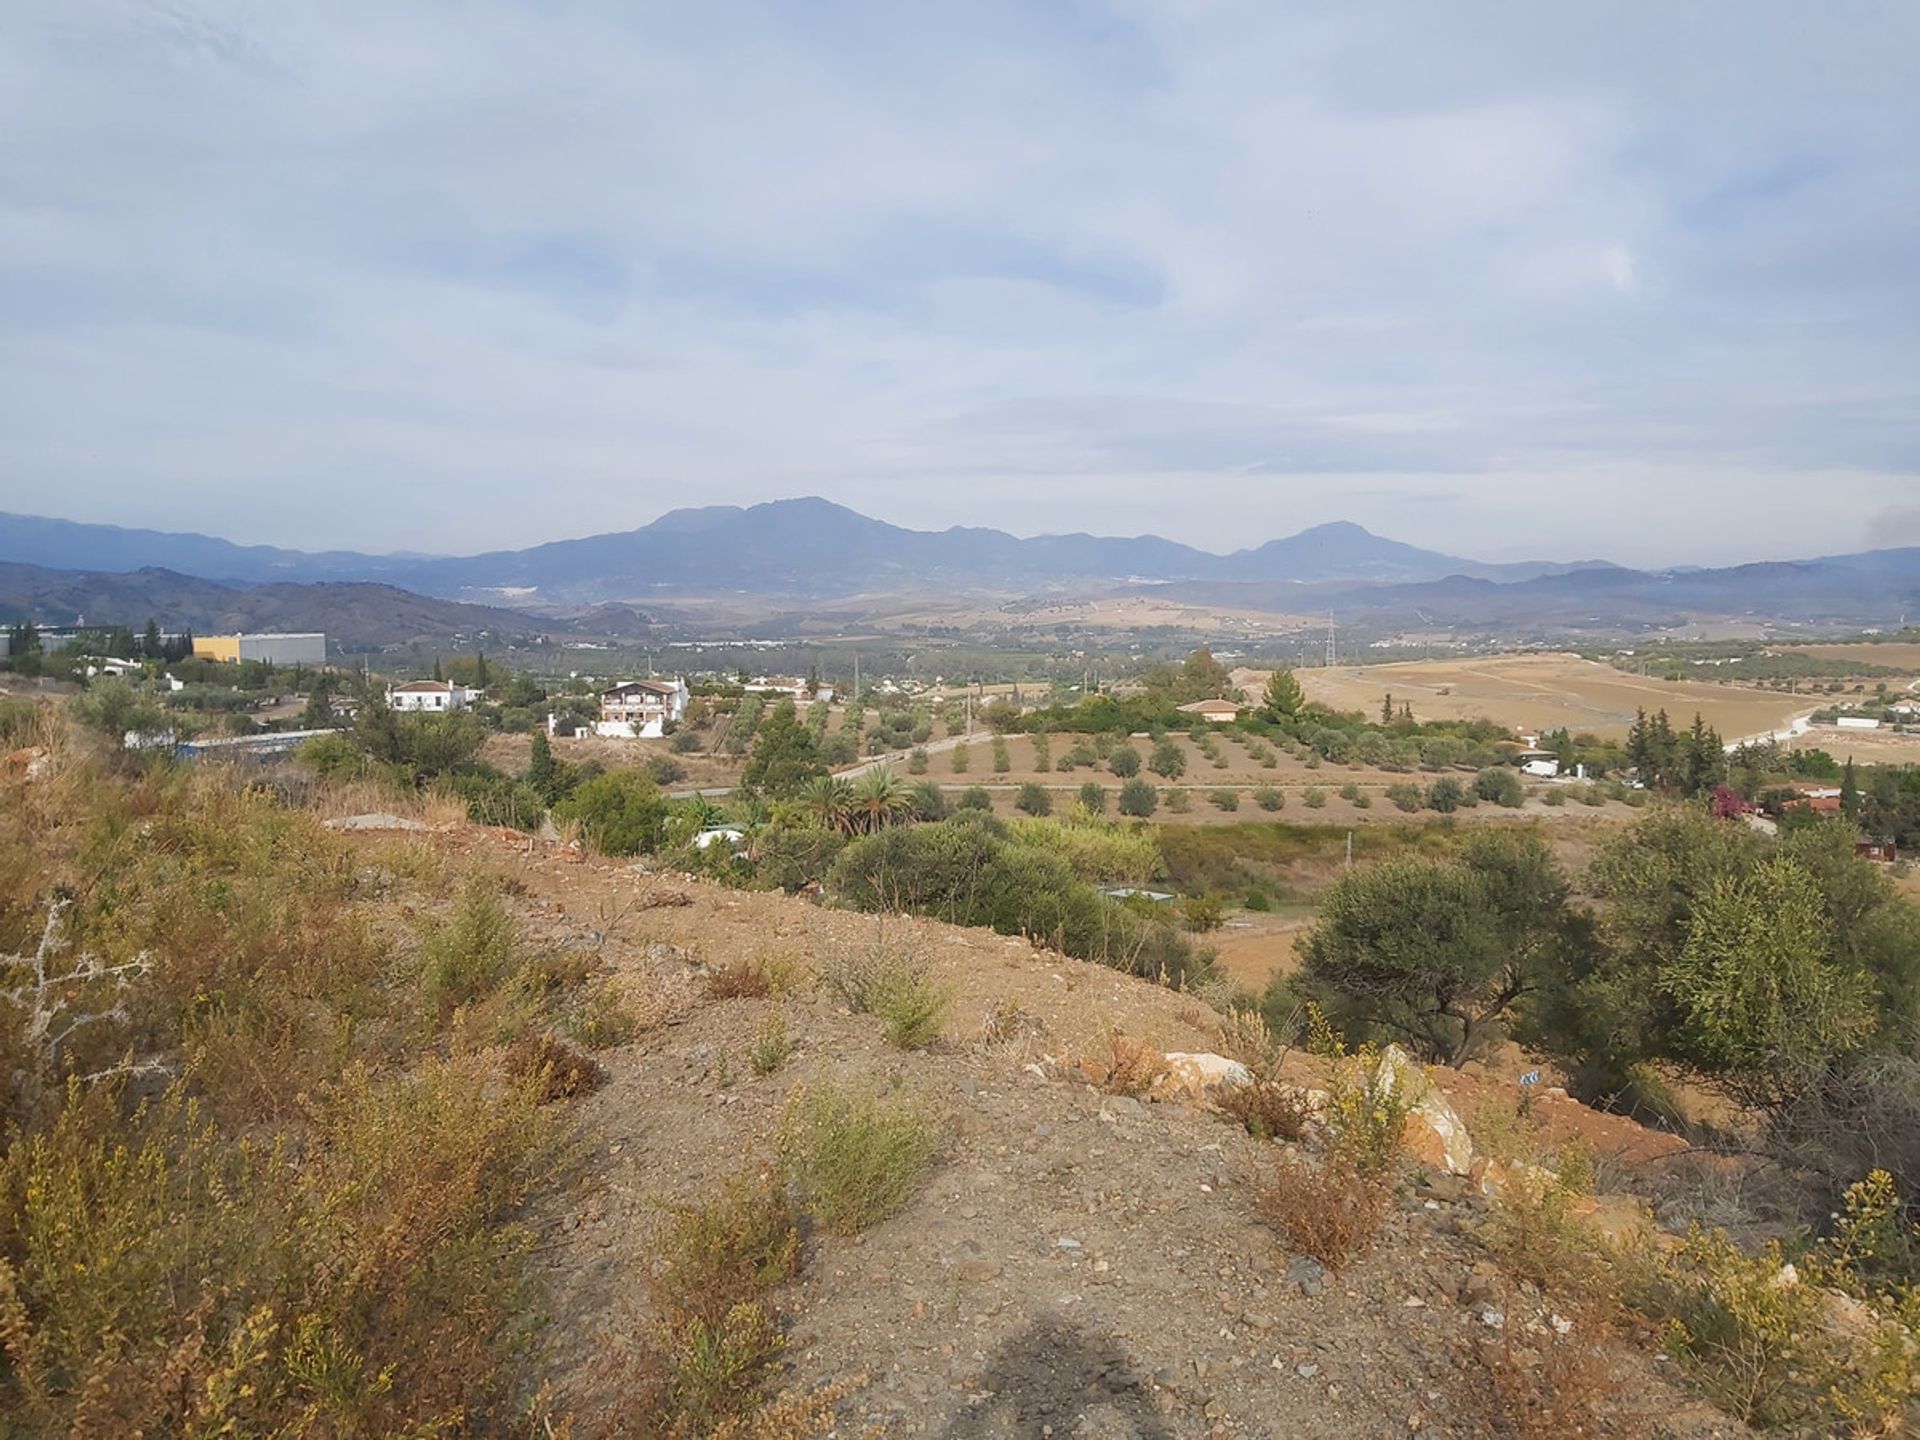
{"x": 305, "y": 648}
{"x": 788, "y": 686}
{"x": 1220, "y": 712}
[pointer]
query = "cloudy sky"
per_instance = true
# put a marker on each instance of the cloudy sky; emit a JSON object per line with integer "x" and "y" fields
{"x": 1633, "y": 280}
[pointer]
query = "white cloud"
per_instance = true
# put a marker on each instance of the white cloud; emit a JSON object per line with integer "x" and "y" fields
{"x": 448, "y": 277}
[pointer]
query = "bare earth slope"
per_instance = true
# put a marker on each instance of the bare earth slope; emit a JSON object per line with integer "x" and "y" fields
{"x": 1076, "y": 1264}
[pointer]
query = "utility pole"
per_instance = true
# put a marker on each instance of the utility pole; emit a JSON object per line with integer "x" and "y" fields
{"x": 969, "y": 717}
{"x": 1333, "y": 650}
{"x": 856, "y": 674}
{"x": 1349, "y": 864}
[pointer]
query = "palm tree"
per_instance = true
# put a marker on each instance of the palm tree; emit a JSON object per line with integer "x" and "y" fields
{"x": 828, "y": 801}
{"x": 879, "y": 800}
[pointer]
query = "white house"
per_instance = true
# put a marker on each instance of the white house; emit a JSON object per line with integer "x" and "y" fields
{"x": 433, "y": 696}
{"x": 642, "y": 709}
{"x": 789, "y": 686}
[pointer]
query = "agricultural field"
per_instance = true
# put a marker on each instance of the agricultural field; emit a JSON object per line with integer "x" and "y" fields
{"x": 1897, "y": 655}
{"x": 1544, "y": 692}
{"x": 1863, "y": 747}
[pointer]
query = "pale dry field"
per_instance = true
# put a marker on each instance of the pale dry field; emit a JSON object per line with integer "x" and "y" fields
{"x": 1544, "y": 692}
{"x": 1864, "y": 747}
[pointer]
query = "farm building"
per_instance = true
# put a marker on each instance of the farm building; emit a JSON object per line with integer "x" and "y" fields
{"x": 1883, "y": 852}
{"x": 434, "y": 697}
{"x": 1857, "y": 722}
{"x": 1220, "y": 712}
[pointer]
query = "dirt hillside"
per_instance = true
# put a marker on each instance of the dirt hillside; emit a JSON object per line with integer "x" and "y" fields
{"x": 1077, "y": 1263}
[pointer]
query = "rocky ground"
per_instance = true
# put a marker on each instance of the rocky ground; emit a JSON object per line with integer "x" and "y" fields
{"x": 1077, "y": 1263}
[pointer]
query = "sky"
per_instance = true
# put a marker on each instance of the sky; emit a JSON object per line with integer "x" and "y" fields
{"x": 1635, "y": 281}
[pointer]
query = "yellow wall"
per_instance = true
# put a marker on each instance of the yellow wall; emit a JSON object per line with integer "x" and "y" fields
{"x": 216, "y": 647}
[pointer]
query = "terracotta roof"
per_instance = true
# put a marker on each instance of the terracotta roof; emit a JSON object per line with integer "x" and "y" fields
{"x": 656, "y": 687}
{"x": 423, "y": 687}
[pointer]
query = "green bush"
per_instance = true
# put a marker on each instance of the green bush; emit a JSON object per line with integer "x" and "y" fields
{"x": 975, "y": 797}
{"x": 1168, "y": 760}
{"x": 1093, "y": 797}
{"x": 791, "y": 857}
{"x": 1138, "y": 799}
{"x": 1446, "y": 795}
{"x": 859, "y": 1160}
{"x": 1314, "y": 798}
{"x": 622, "y": 812}
{"x": 1225, "y": 799}
{"x": 1179, "y": 801}
{"x": 1124, "y": 761}
{"x": 1033, "y": 799}
{"x": 1406, "y": 798}
{"x": 1500, "y": 785}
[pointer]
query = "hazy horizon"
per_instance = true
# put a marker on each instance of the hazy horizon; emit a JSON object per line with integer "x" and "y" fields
{"x": 1540, "y": 284}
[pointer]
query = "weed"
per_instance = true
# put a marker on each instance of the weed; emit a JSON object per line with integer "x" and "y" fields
{"x": 558, "y": 970}
{"x": 859, "y": 1160}
{"x": 912, "y": 1009}
{"x": 1331, "y": 1213}
{"x": 1130, "y": 1067}
{"x": 1546, "y": 1387}
{"x": 1268, "y": 1109}
{"x": 554, "y": 1069}
{"x": 770, "y": 1045}
{"x": 723, "y": 1252}
{"x": 470, "y": 952}
{"x": 739, "y": 980}
{"x": 602, "y": 1020}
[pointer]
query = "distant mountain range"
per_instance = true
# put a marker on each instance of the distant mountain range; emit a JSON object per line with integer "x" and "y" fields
{"x": 355, "y": 616}
{"x": 813, "y": 549}
{"x": 784, "y": 547}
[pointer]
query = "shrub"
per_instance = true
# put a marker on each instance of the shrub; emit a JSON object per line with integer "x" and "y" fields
{"x": 1002, "y": 760}
{"x": 621, "y": 812}
{"x": 1332, "y": 1213}
{"x": 962, "y": 758}
{"x": 792, "y": 857}
{"x": 1225, "y": 799}
{"x": 1314, "y": 798}
{"x": 1093, "y": 797}
{"x": 665, "y": 770}
{"x": 601, "y": 1020}
{"x": 858, "y": 1160}
{"x": 1500, "y": 785}
{"x": 1269, "y": 799}
{"x": 1042, "y": 751}
{"x": 1203, "y": 913}
{"x": 974, "y": 797}
{"x": 684, "y": 742}
{"x": 1033, "y": 799}
{"x": 911, "y": 1007}
{"x": 1179, "y": 801}
{"x": 1446, "y": 795}
{"x": 1124, "y": 762}
{"x": 917, "y": 761}
{"x": 1168, "y": 760}
{"x": 470, "y": 952}
{"x": 1405, "y": 797}
{"x": 1137, "y": 798}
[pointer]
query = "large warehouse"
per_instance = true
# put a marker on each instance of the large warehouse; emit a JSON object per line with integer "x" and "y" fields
{"x": 309, "y": 648}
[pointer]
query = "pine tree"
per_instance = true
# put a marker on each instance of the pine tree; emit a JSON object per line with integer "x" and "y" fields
{"x": 436, "y": 669}
{"x": 480, "y": 669}
{"x": 540, "y": 767}
{"x": 151, "y": 646}
{"x": 1386, "y": 710}
{"x": 1284, "y": 698}
{"x": 1849, "y": 792}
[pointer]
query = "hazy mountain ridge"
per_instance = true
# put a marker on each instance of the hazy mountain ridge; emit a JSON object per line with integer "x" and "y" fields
{"x": 802, "y": 546}
{"x": 355, "y": 615}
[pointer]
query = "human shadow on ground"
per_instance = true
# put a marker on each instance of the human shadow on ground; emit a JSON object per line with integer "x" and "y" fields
{"x": 1050, "y": 1374}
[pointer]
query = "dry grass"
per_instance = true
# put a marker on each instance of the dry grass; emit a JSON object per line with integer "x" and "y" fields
{"x": 1332, "y": 1212}
{"x": 1128, "y": 1066}
{"x": 1550, "y": 1386}
{"x": 554, "y": 1068}
{"x": 1269, "y": 1109}
{"x": 739, "y": 980}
